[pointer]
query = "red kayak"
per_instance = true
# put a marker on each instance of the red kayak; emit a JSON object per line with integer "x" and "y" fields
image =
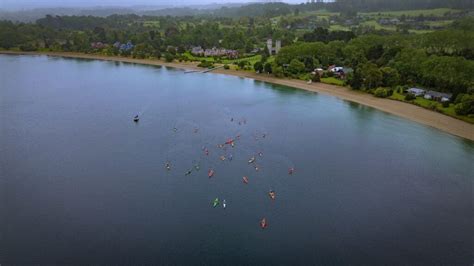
{"x": 229, "y": 141}
{"x": 245, "y": 179}
{"x": 263, "y": 223}
{"x": 291, "y": 170}
{"x": 210, "y": 173}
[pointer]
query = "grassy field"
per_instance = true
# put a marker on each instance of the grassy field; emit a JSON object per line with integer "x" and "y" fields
{"x": 251, "y": 59}
{"x": 438, "y": 12}
{"x": 333, "y": 81}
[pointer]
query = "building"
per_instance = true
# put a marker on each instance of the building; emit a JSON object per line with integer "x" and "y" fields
{"x": 273, "y": 50}
{"x": 438, "y": 96}
{"x": 416, "y": 91}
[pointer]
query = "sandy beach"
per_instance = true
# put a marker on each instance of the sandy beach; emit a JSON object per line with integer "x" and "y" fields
{"x": 405, "y": 110}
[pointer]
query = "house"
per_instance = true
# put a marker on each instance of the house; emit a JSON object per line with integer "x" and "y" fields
{"x": 438, "y": 96}
{"x": 271, "y": 49}
{"x": 416, "y": 91}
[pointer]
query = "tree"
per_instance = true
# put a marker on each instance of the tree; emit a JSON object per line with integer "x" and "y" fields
{"x": 371, "y": 75}
{"x": 169, "y": 57}
{"x": 355, "y": 80}
{"x": 268, "y": 68}
{"x": 296, "y": 66}
{"x": 258, "y": 66}
{"x": 465, "y": 105}
{"x": 390, "y": 77}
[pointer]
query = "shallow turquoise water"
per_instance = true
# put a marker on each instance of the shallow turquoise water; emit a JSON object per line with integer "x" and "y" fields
{"x": 80, "y": 182}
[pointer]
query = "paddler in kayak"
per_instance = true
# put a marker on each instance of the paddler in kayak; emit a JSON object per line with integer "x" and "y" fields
{"x": 188, "y": 172}
{"x": 224, "y": 204}
{"x": 245, "y": 180}
{"x": 210, "y": 173}
{"x": 168, "y": 166}
{"x": 197, "y": 167}
{"x": 272, "y": 194}
{"x": 216, "y": 202}
{"x": 230, "y": 157}
{"x": 291, "y": 170}
{"x": 263, "y": 223}
{"x": 136, "y": 118}
{"x": 251, "y": 160}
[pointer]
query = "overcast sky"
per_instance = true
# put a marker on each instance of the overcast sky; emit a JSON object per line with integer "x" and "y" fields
{"x": 27, "y": 4}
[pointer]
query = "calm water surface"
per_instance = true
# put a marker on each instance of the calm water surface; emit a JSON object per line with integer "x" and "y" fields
{"x": 81, "y": 183}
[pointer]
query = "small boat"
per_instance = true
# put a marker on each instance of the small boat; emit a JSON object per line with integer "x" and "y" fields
{"x": 291, "y": 170}
{"x": 188, "y": 172}
{"x": 229, "y": 141}
{"x": 210, "y": 173}
{"x": 272, "y": 194}
{"x": 216, "y": 202}
{"x": 251, "y": 160}
{"x": 260, "y": 154}
{"x": 222, "y": 158}
{"x": 136, "y": 119}
{"x": 168, "y": 166}
{"x": 224, "y": 204}
{"x": 256, "y": 168}
{"x": 263, "y": 223}
{"x": 245, "y": 180}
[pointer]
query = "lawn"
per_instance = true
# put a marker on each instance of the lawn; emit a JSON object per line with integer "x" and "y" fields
{"x": 333, "y": 81}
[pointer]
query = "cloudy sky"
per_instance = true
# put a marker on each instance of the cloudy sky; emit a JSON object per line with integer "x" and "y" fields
{"x": 27, "y": 4}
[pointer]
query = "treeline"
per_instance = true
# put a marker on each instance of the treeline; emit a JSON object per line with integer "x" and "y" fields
{"x": 442, "y": 60}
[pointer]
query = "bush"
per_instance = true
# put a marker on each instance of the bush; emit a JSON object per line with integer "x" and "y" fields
{"x": 316, "y": 78}
{"x": 409, "y": 97}
{"x": 169, "y": 57}
{"x": 226, "y": 66}
{"x": 433, "y": 106}
{"x": 205, "y": 64}
{"x": 445, "y": 104}
{"x": 381, "y": 93}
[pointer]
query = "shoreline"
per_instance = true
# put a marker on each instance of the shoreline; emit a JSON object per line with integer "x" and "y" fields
{"x": 405, "y": 110}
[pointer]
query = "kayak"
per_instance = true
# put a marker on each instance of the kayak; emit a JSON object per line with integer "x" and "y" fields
{"x": 222, "y": 158}
{"x": 263, "y": 223}
{"x": 168, "y": 166}
{"x": 229, "y": 141}
{"x": 272, "y": 194}
{"x": 245, "y": 179}
{"x": 251, "y": 160}
{"x": 224, "y": 204}
{"x": 188, "y": 172}
{"x": 136, "y": 118}
{"x": 210, "y": 173}
{"x": 216, "y": 202}
{"x": 291, "y": 170}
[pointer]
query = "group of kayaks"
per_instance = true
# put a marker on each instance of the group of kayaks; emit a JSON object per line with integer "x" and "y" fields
{"x": 252, "y": 160}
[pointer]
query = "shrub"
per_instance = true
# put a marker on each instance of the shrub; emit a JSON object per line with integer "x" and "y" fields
{"x": 226, "y": 66}
{"x": 409, "y": 97}
{"x": 206, "y": 64}
{"x": 316, "y": 78}
{"x": 381, "y": 93}
{"x": 445, "y": 104}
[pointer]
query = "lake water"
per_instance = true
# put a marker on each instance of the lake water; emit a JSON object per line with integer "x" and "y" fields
{"x": 82, "y": 183}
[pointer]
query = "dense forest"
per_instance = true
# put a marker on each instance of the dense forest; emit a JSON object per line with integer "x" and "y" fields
{"x": 383, "y": 51}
